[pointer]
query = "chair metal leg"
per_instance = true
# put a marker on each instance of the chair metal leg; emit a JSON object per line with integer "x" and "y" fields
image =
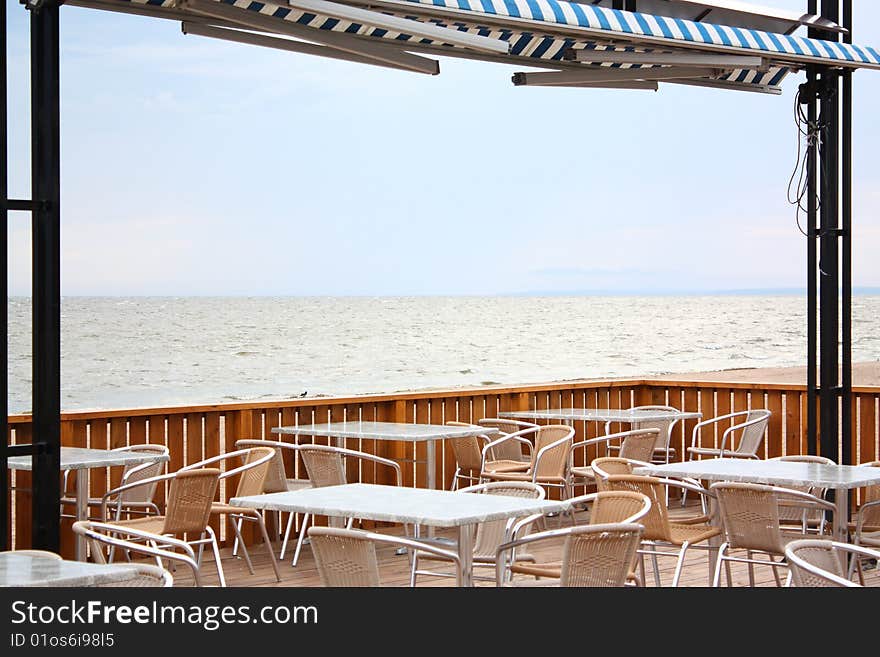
{"x": 301, "y": 538}
{"x": 716, "y": 579}
{"x": 216, "y": 549}
{"x": 258, "y": 518}
{"x": 680, "y": 564}
{"x": 287, "y": 529}
{"x": 244, "y": 550}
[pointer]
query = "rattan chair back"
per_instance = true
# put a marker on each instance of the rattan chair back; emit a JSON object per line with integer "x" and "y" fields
{"x": 618, "y": 506}
{"x": 789, "y": 513}
{"x": 554, "y": 462}
{"x": 188, "y": 506}
{"x": 604, "y": 466}
{"x": 324, "y": 465}
{"x": 753, "y": 434}
{"x": 749, "y": 515}
{"x": 656, "y": 520}
{"x": 344, "y": 559}
{"x": 871, "y": 515}
{"x": 141, "y": 495}
{"x": 251, "y": 480}
{"x": 601, "y": 555}
{"x": 509, "y": 450}
{"x": 661, "y": 443}
{"x": 492, "y": 533}
{"x": 819, "y": 563}
{"x": 147, "y": 576}
{"x": 640, "y": 445}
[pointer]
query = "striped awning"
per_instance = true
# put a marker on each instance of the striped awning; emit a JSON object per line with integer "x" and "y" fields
{"x": 578, "y": 44}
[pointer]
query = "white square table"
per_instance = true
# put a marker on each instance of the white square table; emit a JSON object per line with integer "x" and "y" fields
{"x": 83, "y": 459}
{"x": 417, "y": 506}
{"x": 840, "y": 478}
{"x": 29, "y": 570}
{"x": 403, "y": 431}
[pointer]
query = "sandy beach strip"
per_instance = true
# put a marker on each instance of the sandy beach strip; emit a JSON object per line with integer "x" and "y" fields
{"x": 863, "y": 374}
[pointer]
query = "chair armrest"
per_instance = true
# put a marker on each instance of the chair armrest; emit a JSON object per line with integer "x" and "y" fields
{"x": 860, "y": 514}
{"x": 105, "y": 498}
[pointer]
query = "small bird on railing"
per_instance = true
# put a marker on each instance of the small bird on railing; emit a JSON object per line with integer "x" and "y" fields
{"x": 305, "y": 392}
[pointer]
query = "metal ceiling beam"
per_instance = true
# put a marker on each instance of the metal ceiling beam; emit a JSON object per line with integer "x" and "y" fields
{"x": 596, "y": 75}
{"x": 237, "y": 36}
{"x": 380, "y": 52}
{"x": 729, "y": 85}
{"x": 666, "y": 58}
{"x": 634, "y": 84}
{"x": 403, "y": 25}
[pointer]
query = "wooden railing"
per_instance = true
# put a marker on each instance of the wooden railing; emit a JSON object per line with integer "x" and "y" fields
{"x": 192, "y": 433}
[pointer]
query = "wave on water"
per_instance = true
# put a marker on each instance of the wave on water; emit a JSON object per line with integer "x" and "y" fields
{"x": 154, "y": 351}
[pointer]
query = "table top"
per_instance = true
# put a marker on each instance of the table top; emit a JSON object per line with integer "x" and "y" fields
{"x": 29, "y": 570}
{"x": 79, "y": 458}
{"x": 775, "y": 472}
{"x": 423, "y": 506}
{"x": 602, "y": 414}
{"x": 386, "y": 430}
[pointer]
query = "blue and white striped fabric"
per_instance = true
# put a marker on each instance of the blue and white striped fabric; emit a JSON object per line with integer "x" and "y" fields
{"x": 545, "y": 29}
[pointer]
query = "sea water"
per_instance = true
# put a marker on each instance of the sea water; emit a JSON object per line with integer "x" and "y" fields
{"x": 124, "y": 352}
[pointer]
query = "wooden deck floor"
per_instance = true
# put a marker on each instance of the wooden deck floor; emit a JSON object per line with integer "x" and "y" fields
{"x": 394, "y": 569}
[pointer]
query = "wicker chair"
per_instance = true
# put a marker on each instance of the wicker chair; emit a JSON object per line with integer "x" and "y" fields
{"x": 347, "y": 557}
{"x": 187, "y": 512}
{"x": 637, "y": 444}
{"x": 513, "y": 451}
{"x": 749, "y": 425}
{"x": 468, "y": 453}
{"x": 137, "y": 501}
{"x": 489, "y": 535}
{"x": 609, "y": 506}
{"x": 325, "y": 466}
{"x": 277, "y": 481}
{"x": 604, "y": 466}
{"x": 255, "y": 465}
{"x": 132, "y": 541}
{"x": 662, "y": 531}
{"x": 809, "y": 520}
{"x": 662, "y": 453}
{"x": 865, "y": 529}
{"x": 550, "y": 464}
{"x": 749, "y": 515}
{"x": 147, "y": 576}
{"x": 820, "y": 563}
{"x": 602, "y": 555}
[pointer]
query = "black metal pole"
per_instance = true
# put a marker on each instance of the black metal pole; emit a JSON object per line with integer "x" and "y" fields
{"x": 4, "y": 196}
{"x": 812, "y": 264}
{"x": 829, "y": 260}
{"x": 846, "y": 249}
{"x": 46, "y": 190}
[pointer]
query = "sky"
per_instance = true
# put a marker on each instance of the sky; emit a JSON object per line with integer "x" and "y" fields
{"x": 196, "y": 167}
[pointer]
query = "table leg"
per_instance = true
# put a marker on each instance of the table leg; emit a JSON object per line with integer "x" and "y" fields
{"x": 431, "y": 476}
{"x": 466, "y": 554}
{"x": 82, "y": 509}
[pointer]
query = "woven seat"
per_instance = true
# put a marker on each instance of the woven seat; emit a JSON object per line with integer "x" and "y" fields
{"x": 147, "y": 576}
{"x": 662, "y": 452}
{"x": 551, "y": 459}
{"x": 133, "y": 541}
{"x": 489, "y": 535}
{"x": 325, "y": 466}
{"x": 347, "y": 557}
{"x": 601, "y": 555}
{"x": 187, "y": 512}
{"x": 820, "y": 563}
{"x": 749, "y": 515}
{"x": 254, "y": 465}
{"x": 133, "y": 501}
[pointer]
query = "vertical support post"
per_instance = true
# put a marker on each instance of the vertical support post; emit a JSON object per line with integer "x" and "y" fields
{"x": 46, "y": 192}
{"x": 846, "y": 250}
{"x": 812, "y": 263}
{"x": 4, "y": 356}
